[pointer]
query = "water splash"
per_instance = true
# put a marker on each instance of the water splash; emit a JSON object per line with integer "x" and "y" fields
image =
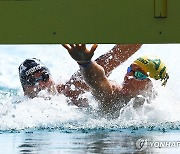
{"x": 19, "y": 113}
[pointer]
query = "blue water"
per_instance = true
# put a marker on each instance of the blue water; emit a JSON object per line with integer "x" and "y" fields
{"x": 52, "y": 126}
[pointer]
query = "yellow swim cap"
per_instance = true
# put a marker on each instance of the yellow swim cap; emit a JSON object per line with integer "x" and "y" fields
{"x": 154, "y": 67}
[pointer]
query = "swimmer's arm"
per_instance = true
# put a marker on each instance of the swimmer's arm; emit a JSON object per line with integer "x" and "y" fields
{"x": 95, "y": 77}
{"x": 93, "y": 73}
{"x": 73, "y": 94}
{"x": 117, "y": 55}
{"x": 109, "y": 61}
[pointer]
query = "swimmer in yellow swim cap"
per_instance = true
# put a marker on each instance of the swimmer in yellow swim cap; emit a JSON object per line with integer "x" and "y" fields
{"x": 111, "y": 96}
{"x": 154, "y": 67}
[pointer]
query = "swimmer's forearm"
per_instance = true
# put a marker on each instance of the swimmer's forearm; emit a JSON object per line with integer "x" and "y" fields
{"x": 94, "y": 76}
{"x": 93, "y": 71}
{"x": 76, "y": 85}
{"x": 116, "y": 56}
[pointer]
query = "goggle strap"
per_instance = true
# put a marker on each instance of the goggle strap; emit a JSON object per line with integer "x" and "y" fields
{"x": 129, "y": 69}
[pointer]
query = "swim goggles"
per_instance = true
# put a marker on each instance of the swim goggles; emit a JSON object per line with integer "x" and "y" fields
{"x": 137, "y": 74}
{"x": 31, "y": 81}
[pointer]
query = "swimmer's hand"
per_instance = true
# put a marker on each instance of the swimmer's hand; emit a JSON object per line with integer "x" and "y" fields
{"x": 80, "y": 53}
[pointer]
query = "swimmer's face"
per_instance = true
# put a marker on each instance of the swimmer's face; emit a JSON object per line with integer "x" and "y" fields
{"x": 132, "y": 85}
{"x": 40, "y": 81}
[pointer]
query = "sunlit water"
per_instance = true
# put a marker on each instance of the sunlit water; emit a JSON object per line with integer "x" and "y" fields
{"x": 51, "y": 126}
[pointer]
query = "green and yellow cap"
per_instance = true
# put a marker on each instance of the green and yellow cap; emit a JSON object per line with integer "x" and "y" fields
{"x": 154, "y": 67}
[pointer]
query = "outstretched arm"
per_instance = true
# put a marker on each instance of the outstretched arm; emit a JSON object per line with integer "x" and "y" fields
{"x": 93, "y": 73}
{"x": 109, "y": 61}
{"x": 117, "y": 55}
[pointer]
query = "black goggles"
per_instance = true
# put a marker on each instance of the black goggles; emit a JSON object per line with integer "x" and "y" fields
{"x": 31, "y": 81}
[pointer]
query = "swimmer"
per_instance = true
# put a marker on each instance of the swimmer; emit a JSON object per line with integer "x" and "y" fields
{"x": 111, "y": 96}
{"x": 35, "y": 76}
